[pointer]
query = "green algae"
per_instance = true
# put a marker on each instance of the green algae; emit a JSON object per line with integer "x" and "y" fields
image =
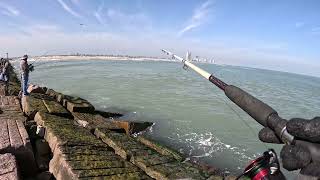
{"x": 106, "y": 172}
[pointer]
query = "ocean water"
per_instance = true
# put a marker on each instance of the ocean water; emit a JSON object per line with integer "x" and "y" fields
{"x": 190, "y": 114}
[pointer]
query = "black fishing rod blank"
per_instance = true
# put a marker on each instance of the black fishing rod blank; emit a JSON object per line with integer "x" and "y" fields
{"x": 258, "y": 110}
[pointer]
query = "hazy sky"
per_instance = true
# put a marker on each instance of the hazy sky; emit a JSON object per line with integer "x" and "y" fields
{"x": 281, "y": 35}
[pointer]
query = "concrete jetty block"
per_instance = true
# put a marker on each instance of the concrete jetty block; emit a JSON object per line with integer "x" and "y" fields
{"x": 108, "y": 114}
{"x": 31, "y": 105}
{"x": 154, "y": 164}
{"x": 95, "y": 120}
{"x": 160, "y": 148}
{"x": 52, "y": 93}
{"x": 56, "y": 109}
{"x": 91, "y": 121}
{"x": 42, "y": 103}
{"x": 60, "y": 97}
{"x": 77, "y": 154}
{"x": 77, "y": 104}
{"x": 14, "y": 139}
{"x": 35, "y": 89}
{"x": 8, "y": 167}
{"x": 9, "y": 103}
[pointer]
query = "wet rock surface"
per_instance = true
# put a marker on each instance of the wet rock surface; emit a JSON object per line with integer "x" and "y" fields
{"x": 160, "y": 148}
{"x": 132, "y": 127}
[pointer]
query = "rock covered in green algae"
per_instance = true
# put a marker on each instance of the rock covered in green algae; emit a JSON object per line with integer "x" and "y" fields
{"x": 95, "y": 120}
{"x": 73, "y": 104}
{"x": 78, "y": 154}
{"x": 52, "y": 93}
{"x": 91, "y": 121}
{"x": 32, "y": 105}
{"x": 160, "y": 148}
{"x": 42, "y": 103}
{"x": 156, "y": 165}
{"x": 77, "y": 104}
{"x": 56, "y": 109}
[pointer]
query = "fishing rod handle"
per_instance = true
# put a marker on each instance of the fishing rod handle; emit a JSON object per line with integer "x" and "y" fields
{"x": 268, "y": 117}
{"x": 257, "y": 109}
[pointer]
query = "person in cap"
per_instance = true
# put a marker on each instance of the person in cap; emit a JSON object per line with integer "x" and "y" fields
{"x": 24, "y": 70}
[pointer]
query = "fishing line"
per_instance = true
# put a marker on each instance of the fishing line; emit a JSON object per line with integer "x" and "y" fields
{"x": 253, "y": 131}
{"x": 42, "y": 63}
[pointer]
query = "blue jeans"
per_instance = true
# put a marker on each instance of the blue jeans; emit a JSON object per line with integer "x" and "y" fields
{"x": 24, "y": 84}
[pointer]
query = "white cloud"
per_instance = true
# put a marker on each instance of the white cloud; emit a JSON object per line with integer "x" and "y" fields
{"x": 9, "y": 10}
{"x": 200, "y": 15}
{"x": 315, "y": 30}
{"x": 68, "y": 9}
{"x": 99, "y": 18}
{"x": 97, "y": 14}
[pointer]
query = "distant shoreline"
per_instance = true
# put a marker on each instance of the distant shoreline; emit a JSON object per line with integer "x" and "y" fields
{"x": 98, "y": 57}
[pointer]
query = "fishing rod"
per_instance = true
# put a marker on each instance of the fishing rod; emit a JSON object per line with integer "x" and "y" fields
{"x": 41, "y": 63}
{"x": 258, "y": 110}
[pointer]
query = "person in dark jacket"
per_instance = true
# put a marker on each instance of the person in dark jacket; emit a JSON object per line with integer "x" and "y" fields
{"x": 24, "y": 70}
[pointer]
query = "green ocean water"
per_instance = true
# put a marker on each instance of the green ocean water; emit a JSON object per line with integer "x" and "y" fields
{"x": 190, "y": 114}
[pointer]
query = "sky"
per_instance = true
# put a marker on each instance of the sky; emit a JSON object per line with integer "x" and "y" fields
{"x": 279, "y": 35}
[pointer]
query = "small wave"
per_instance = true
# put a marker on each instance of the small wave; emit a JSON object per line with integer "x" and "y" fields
{"x": 206, "y": 145}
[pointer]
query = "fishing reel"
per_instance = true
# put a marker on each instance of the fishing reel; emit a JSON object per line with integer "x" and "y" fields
{"x": 31, "y": 67}
{"x": 185, "y": 67}
{"x": 263, "y": 167}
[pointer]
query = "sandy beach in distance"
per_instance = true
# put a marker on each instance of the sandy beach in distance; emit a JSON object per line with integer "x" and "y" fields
{"x": 73, "y": 57}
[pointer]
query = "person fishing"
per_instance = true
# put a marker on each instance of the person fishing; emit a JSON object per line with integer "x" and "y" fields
{"x": 4, "y": 74}
{"x": 24, "y": 70}
{"x": 300, "y": 136}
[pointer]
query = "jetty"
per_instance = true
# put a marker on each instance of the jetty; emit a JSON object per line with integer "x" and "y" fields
{"x": 49, "y": 135}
